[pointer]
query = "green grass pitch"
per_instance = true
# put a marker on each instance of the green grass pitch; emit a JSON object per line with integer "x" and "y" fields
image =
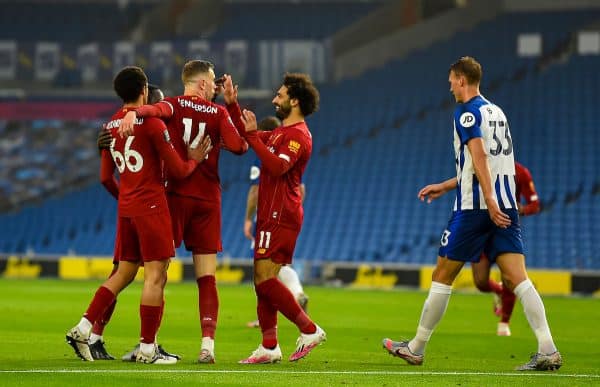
{"x": 464, "y": 351}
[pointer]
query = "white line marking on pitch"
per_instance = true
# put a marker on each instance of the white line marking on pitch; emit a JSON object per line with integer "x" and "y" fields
{"x": 432, "y": 373}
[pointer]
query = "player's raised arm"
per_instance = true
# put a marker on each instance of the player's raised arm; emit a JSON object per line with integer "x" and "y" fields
{"x": 232, "y": 140}
{"x": 107, "y": 173}
{"x": 162, "y": 109}
{"x": 230, "y": 94}
{"x": 275, "y": 165}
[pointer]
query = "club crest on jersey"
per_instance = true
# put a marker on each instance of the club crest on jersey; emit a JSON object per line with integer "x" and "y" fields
{"x": 294, "y": 146}
{"x": 467, "y": 119}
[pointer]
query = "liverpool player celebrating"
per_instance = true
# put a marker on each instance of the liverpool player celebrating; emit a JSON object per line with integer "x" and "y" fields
{"x": 284, "y": 153}
{"x": 109, "y": 182}
{"x": 195, "y": 202}
{"x": 144, "y": 224}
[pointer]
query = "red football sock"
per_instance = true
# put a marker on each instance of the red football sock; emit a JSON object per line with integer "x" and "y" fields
{"x": 495, "y": 287}
{"x": 162, "y": 311}
{"x": 267, "y": 317}
{"x": 101, "y": 323}
{"x": 208, "y": 304}
{"x": 283, "y": 300}
{"x": 101, "y": 301}
{"x": 508, "y": 304}
{"x": 150, "y": 317}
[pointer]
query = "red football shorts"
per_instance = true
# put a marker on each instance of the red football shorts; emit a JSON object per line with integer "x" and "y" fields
{"x": 197, "y": 223}
{"x": 275, "y": 242}
{"x": 145, "y": 238}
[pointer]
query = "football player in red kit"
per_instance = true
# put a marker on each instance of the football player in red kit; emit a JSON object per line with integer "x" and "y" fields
{"x": 96, "y": 343}
{"x": 144, "y": 223}
{"x": 195, "y": 202}
{"x": 284, "y": 154}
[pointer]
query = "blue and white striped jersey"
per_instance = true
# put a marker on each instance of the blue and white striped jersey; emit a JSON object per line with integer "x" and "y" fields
{"x": 480, "y": 118}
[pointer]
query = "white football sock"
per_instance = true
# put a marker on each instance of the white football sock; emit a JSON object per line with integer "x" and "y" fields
{"x": 85, "y": 326}
{"x": 208, "y": 343}
{"x": 536, "y": 315}
{"x": 433, "y": 310}
{"x": 289, "y": 277}
{"x": 94, "y": 337}
{"x": 147, "y": 348}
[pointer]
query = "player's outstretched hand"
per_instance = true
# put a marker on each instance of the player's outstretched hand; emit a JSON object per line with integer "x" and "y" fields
{"x": 126, "y": 126}
{"x": 248, "y": 229}
{"x": 200, "y": 152}
{"x": 230, "y": 91}
{"x": 249, "y": 120}
{"x": 104, "y": 138}
{"x": 431, "y": 192}
{"x": 499, "y": 218}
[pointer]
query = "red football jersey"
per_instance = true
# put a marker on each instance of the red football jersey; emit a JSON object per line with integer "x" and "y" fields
{"x": 188, "y": 119}
{"x": 138, "y": 160}
{"x": 284, "y": 159}
{"x": 526, "y": 189}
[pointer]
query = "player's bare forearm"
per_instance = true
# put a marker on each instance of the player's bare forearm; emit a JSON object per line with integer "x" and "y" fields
{"x": 434, "y": 191}
{"x": 450, "y": 184}
{"x": 104, "y": 139}
{"x": 482, "y": 171}
{"x": 251, "y": 201}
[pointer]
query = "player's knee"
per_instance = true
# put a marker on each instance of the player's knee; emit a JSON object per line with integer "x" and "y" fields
{"x": 442, "y": 276}
{"x": 511, "y": 281}
{"x": 513, "y": 278}
{"x": 481, "y": 284}
{"x": 155, "y": 278}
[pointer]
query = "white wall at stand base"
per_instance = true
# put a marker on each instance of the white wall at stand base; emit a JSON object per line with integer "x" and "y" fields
{"x": 548, "y": 5}
{"x": 8, "y": 54}
{"x": 529, "y": 45}
{"x": 588, "y": 43}
{"x": 278, "y": 57}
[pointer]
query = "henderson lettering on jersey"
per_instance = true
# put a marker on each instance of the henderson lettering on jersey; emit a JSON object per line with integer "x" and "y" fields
{"x": 117, "y": 123}
{"x": 201, "y": 108}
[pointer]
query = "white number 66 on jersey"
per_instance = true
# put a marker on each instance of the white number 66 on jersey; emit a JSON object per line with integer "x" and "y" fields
{"x": 124, "y": 160}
